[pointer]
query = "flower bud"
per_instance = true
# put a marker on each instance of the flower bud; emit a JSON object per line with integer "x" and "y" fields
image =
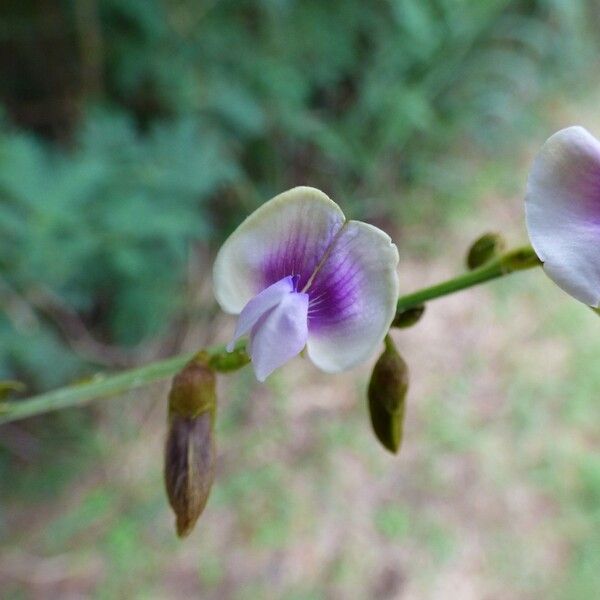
{"x": 408, "y": 317}
{"x": 387, "y": 395}
{"x": 487, "y": 247}
{"x": 190, "y": 446}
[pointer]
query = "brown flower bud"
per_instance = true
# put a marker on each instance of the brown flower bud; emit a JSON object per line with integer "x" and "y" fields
{"x": 189, "y": 468}
{"x": 190, "y": 446}
{"x": 387, "y": 396}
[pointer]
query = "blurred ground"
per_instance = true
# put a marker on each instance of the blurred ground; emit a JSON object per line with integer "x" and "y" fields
{"x": 495, "y": 494}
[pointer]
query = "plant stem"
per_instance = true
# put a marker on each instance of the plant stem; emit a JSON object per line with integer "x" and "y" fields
{"x": 514, "y": 260}
{"x": 99, "y": 386}
{"x": 103, "y": 386}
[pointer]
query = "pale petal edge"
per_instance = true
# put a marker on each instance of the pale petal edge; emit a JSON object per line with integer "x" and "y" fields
{"x": 563, "y": 212}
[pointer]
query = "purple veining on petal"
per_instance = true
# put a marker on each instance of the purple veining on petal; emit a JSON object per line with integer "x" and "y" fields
{"x": 335, "y": 291}
{"x": 296, "y": 254}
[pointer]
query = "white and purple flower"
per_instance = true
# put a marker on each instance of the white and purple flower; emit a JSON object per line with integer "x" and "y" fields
{"x": 563, "y": 212}
{"x": 300, "y": 275}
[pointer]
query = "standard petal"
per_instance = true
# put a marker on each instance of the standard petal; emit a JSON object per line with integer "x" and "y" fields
{"x": 286, "y": 236}
{"x": 563, "y": 212}
{"x": 259, "y": 305}
{"x": 352, "y": 298}
{"x": 279, "y": 335}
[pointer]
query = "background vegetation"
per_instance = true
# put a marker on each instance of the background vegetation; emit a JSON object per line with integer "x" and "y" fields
{"x": 135, "y": 135}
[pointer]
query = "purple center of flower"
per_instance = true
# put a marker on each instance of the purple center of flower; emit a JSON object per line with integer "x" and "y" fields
{"x": 333, "y": 291}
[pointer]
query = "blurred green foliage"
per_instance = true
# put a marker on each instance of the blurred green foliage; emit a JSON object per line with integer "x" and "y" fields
{"x": 134, "y": 128}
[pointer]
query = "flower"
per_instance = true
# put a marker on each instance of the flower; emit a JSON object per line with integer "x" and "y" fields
{"x": 563, "y": 212}
{"x": 300, "y": 275}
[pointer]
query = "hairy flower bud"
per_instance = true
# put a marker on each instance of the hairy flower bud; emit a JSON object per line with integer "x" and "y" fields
{"x": 387, "y": 395}
{"x": 190, "y": 446}
{"x": 484, "y": 249}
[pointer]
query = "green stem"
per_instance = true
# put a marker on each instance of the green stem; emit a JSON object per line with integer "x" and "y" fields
{"x": 104, "y": 386}
{"x": 99, "y": 386}
{"x": 515, "y": 260}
